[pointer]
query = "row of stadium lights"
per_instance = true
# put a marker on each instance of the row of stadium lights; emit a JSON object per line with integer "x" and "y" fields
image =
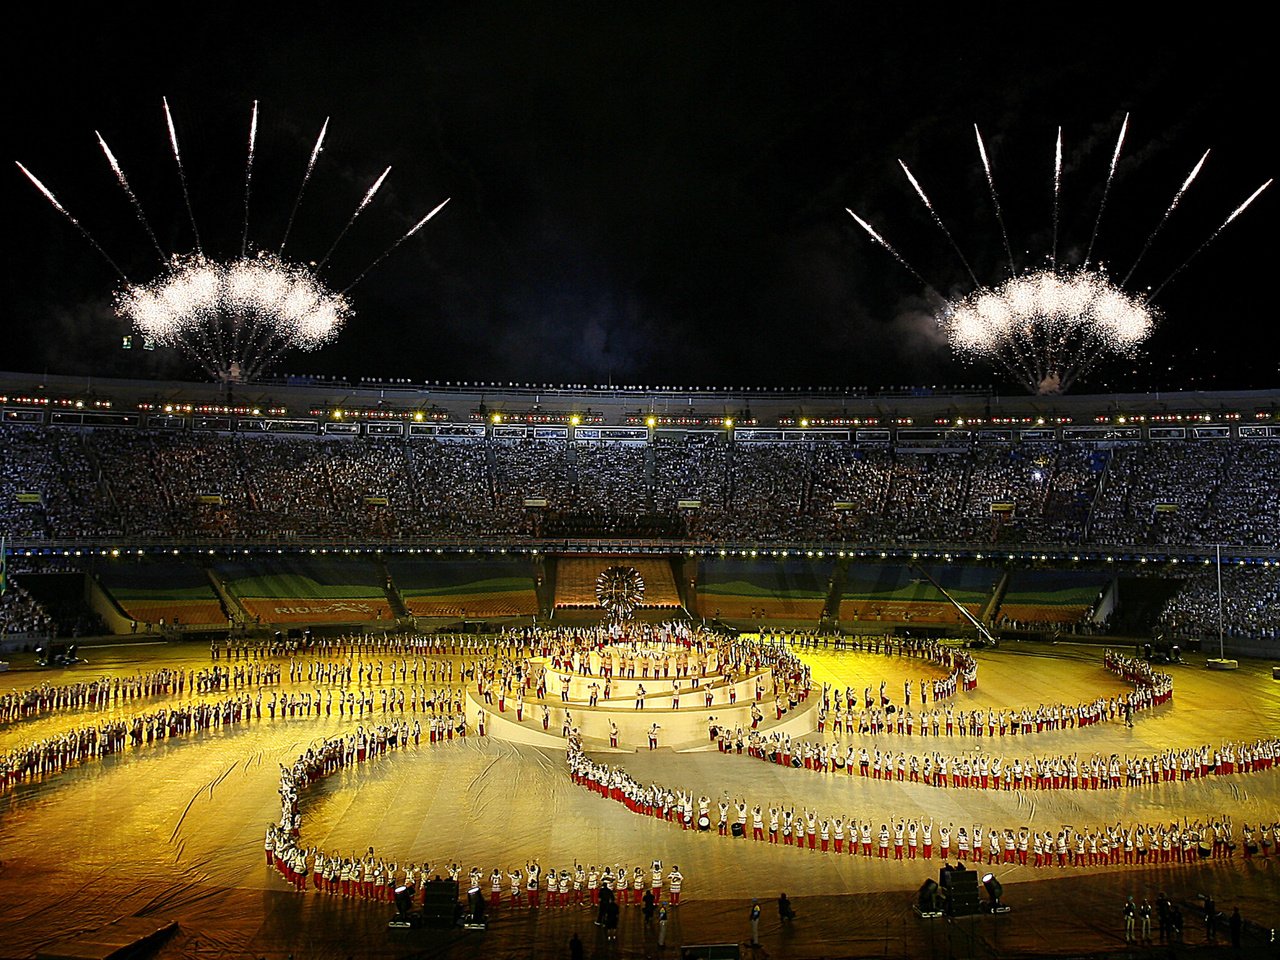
{"x": 916, "y": 555}
{"x": 516, "y": 385}
{"x": 418, "y": 416}
{"x": 650, "y": 421}
{"x": 1171, "y": 418}
{"x": 533, "y": 551}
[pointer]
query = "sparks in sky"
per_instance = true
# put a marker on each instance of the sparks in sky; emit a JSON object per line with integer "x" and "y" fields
{"x": 1046, "y": 327}
{"x": 233, "y": 317}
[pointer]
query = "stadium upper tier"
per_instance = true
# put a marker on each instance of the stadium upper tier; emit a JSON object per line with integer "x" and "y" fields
{"x": 149, "y": 463}
{"x": 150, "y": 486}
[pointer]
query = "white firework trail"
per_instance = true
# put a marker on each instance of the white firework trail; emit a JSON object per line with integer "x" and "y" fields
{"x": 995, "y": 199}
{"x": 248, "y": 175}
{"x": 938, "y": 220}
{"x": 391, "y": 249}
{"x": 306, "y": 178}
{"x": 182, "y": 173}
{"x": 128, "y": 190}
{"x": 1212, "y": 237}
{"x": 1177, "y": 198}
{"x": 1057, "y": 193}
{"x": 368, "y": 197}
{"x": 48, "y": 195}
{"x": 1106, "y": 187}
{"x": 1241, "y": 209}
{"x": 888, "y": 246}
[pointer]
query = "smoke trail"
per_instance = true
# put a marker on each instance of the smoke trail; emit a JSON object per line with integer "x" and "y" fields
{"x": 1106, "y": 188}
{"x": 182, "y": 173}
{"x": 995, "y": 199}
{"x": 1212, "y": 237}
{"x": 128, "y": 190}
{"x": 1177, "y": 197}
{"x": 359, "y": 210}
{"x": 306, "y": 177}
{"x": 1057, "y": 193}
{"x": 888, "y": 246}
{"x": 391, "y": 249}
{"x": 938, "y": 220}
{"x": 48, "y": 194}
{"x": 248, "y": 176}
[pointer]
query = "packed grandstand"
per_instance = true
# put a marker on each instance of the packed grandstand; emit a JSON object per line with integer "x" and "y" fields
{"x": 804, "y": 509}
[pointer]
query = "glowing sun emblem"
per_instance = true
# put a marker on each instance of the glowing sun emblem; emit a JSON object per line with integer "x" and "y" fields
{"x": 620, "y": 591}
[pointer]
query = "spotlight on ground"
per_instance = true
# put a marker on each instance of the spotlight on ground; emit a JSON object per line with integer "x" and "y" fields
{"x": 474, "y": 918}
{"x": 995, "y": 890}
{"x": 927, "y": 903}
{"x": 406, "y": 917}
{"x": 404, "y": 900}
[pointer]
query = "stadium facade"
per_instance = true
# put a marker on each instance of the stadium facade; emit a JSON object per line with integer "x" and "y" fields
{"x": 907, "y": 509}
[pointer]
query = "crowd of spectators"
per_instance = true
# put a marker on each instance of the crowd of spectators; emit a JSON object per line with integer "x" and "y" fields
{"x": 1250, "y": 598}
{"x": 67, "y": 484}
{"x": 1211, "y": 492}
{"x": 21, "y": 614}
{"x": 48, "y": 473}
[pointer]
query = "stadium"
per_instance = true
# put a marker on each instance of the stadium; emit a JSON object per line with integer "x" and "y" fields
{"x": 303, "y": 523}
{"x": 516, "y": 629}
{"x": 300, "y": 505}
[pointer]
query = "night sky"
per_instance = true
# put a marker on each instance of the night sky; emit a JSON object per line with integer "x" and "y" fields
{"x": 643, "y": 194}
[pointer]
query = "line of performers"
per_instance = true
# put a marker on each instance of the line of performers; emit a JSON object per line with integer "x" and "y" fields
{"x": 902, "y": 838}
{"x": 982, "y": 771}
{"x": 369, "y": 876}
{"x": 841, "y": 711}
{"x": 101, "y": 693}
{"x": 51, "y": 755}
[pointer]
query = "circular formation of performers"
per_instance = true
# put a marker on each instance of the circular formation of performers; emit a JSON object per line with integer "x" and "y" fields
{"x": 400, "y": 692}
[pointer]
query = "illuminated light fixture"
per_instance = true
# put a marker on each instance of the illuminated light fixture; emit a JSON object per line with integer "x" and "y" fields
{"x": 496, "y": 418}
{"x": 728, "y": 423}
{"x": 650, "y": 422}
{"x": 995, "y": 890}
{"x": 575, "y": 420}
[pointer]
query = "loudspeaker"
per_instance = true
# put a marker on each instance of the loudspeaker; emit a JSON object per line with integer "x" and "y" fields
{"x": 439, "y": 903}
{"x": 962, "y": 893}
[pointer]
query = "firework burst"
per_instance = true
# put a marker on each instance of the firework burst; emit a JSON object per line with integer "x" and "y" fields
{"x": 235, "y": 317}
{"x": 1046, "y": 327}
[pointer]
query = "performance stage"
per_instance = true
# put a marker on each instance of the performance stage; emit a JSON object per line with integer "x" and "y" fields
{"x": 174, "y": 829}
